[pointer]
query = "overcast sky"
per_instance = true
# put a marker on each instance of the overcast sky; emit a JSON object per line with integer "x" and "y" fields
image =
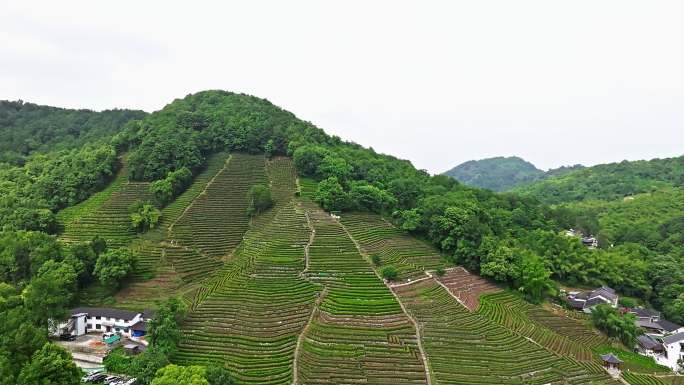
{"x": 439, "y": 83}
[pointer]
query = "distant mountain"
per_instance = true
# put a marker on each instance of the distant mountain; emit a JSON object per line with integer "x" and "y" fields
{"x": 498, "y": 174}
{"x": 608, "y": 181}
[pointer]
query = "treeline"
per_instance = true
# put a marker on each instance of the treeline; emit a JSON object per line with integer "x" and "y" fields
{"x": 39, "y": 280}
{"x": 26, "y": 128}
{"x": 651, "y": 226}
{"x": 609, "y": 181}
{"x": 503, "y": 173}
{"x": 184, "y": 132}
{"x": 31, "y": 194}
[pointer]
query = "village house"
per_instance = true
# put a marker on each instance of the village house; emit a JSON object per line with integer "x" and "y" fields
{"x": 588, "y": 299}
{"x": 648, "y": 346}
{"x": 673, "y": 346}
{"x": 651, "y": 321}
{"x": 100, "y": 320}
{"x": 590, "y": 241}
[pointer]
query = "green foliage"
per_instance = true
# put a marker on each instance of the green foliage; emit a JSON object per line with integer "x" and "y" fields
{"x": 164, "y": 328}
{"x": 218, "y": 375}
{"x": 181, "y": 375}
{"x": 609, "y": 181}
{"x": 614, "y": 324}
{"x": 389, "y": 273}
{"x": 498, "y": 174}
{"x": 50, "y": 365}
{"x": 46, "y": 183}
{"x": 145, "y": 365}
{"x": 440, "y": 272}
{"x": 117, "y": 362}
{"x": 331, "y": 196}
{"x": 144, "y": 216}
{"x": 627, "y": 302}
{"x": 165, "y": 190}
{"x": 535, "y": 281}
{"x": 113, "y": 266}
{"x": 50, "y": 292}
{"x": 260, "y": 200}
{"x": 375, "y": 258}
{"x": 21, "y": 335}
{"x": 183, "y": 132}
{"x": 366, "y": 197}
{"x": 27, "y": 128}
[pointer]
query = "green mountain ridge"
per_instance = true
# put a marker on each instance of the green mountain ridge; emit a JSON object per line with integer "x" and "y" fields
{"x": 502, "y": 173}
{"x": 357, "y": 273}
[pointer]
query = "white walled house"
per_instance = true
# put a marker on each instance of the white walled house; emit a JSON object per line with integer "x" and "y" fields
{"x": 588, "y": 299}
{"x": 99, "y": 320}
{"x": 673, "y": 346}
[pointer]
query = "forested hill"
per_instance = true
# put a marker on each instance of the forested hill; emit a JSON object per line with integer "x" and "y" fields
{"x": 498, "y": 174}
{"x": 216, "y": 192}
{"x": 502, "y": 173}
{"x": 608, "y": 181}
{"x": 26, "y": 128}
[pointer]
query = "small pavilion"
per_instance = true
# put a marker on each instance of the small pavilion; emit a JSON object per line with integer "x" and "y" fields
{"x": 611, "y": 362}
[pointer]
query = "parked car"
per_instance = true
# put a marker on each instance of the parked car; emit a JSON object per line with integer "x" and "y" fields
{"x": 67, "y": 337}
{"x": 96, "y": 377}
{"x": 110, "y": 380}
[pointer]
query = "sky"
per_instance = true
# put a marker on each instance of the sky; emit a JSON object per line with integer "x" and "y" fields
{"x": 435, "y": 82}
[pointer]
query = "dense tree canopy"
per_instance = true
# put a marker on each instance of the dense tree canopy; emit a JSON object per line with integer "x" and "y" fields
{"x": 51, "y": 365}
{"x": 27, "y": 128}
{"x": 114, "y": 265}
{"x": 502, "y": 173}
{"x": 609, "y": 181}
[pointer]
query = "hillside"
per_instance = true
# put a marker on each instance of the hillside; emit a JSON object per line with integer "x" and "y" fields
{"x": 498, "y": 174}
{"x": 27, "y": 128}
{"x": 358, "y": 269}
{"x": 502, "y": 173}
{"x": 609, "y": 181}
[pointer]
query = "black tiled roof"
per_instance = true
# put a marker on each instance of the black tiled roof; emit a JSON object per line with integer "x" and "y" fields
{"x": 610, "y": 358}
{"x": 668, "y": 326}
{"x": 649, "y": 343}
{"x": 105, "y": 312}
{"x": 641, "y": 312}
{"x": 674, "y": 338}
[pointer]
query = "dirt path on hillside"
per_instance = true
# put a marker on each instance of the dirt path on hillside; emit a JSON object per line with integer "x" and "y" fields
{"x": 204, "y": 191}
{"x": 419, "y": 337}
{"x": 302, "y": 335}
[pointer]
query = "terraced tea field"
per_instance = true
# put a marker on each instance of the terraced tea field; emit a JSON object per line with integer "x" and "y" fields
{"x": 466, "y": 287}
{"x": 360, "y": 333}
{"x": 464, "y": 347}
{"x": 410, "y": 256}
{"x": 291, "y": 296}
{"x": 642, "y": 379}
{"x": 148, "y": 247}
{"x": 251, "y": 320}
{"x": 217, "y": 219}
{"x": 563, "y": 336}
{"x": 111, "y": 220}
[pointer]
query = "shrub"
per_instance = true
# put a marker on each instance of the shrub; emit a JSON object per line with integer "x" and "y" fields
{"x": 114, "y": 265}
{"x": 389, "y": 273}
{"x": 260, "y": 199}
{"x": 376, "y": 260}
{"x": 144, "y": 216}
